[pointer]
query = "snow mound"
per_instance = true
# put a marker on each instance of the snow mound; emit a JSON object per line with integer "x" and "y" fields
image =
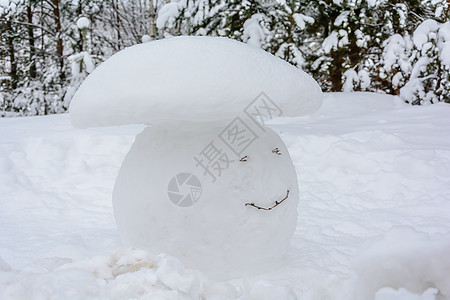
{"x": 189, "y": 78}
{"x": 127, "y": 274}
{"x": 403, "y": 259}
{"x": 402, "y": 294}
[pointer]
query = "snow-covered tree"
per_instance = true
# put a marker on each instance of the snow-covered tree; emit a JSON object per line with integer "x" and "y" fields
{"x": 429, "y": 81}
{"x": 345, "y": 43}
{"x": 81, "y": 63}
{"x": 288, "y": 39}
{"x": 400, "y": 19}
{"x": 396, "y": 63}
{"x": 182, "y": 17}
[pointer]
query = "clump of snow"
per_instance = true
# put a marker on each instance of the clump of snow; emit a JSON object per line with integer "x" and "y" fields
{"x": 301, "y": 20}
{"x": 424, "y": 32}
{"x": 81, "y": 65}
{"x": 353, "y": 79}
{"x": 395, "y": 53}
{"x": 146, "y": 38}
{"x": 189, "y": 78}
{"x": 85, "y": 59}
{"x": 8, "y": 7}
{"x": 404, "y": 258}
{"x": 372, "y": 3}
{"x": 330, "y": 42}
{"x": 167, "y": 15}
{"x": 83, "y": 23}
{"x": 362, "y": 38}
{"x": 219, "y": 234}
{"x": 336, "y": 39}
{"x": 444, "y": 44}
{"x": 128, "y": 274}
{"x": 350, "y": 80}
{"x": 402, "y": 294}
{"x": 364, "y": 79}
{"x": 342, "y": 19}
{"x": 254, "y": 31}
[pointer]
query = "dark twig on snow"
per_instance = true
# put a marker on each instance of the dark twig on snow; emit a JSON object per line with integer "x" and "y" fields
{"x": 244, "y": 158}
{"x": 276, "y": 151}
{"x": 269, "y": 208}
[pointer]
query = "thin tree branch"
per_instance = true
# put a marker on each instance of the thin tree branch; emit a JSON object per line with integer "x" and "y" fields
{"x": 31, "y": 24}
{"x": 271, "y": 207}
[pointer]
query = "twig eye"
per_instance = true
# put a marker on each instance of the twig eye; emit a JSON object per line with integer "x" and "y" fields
{"x": 245, "y": 158}
{"x": 276, "y": 151}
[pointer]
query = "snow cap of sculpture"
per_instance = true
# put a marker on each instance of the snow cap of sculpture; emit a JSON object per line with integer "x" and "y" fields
{"x": 207, "y": 181}
{"x": 189, "y": 78}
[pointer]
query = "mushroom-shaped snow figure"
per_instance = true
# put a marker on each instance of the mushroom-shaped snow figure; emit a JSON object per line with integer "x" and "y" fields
{"x": 205, "y": 181}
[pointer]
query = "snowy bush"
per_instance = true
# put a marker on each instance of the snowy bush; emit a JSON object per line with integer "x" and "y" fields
{"x": 395, "y": 64}
{"x": 429, "y": 81}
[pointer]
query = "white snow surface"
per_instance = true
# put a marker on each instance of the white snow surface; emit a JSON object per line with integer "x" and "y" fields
{"x": 192, "y": 79}
{"x": 373, "y": 213}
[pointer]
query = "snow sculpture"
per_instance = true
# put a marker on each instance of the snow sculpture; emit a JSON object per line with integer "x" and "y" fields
{"x": 205, "y": 181}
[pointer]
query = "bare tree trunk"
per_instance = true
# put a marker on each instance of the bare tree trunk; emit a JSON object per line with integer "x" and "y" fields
{"x": 448, "y": 10}
{"x": 117, "y": 25}
{"x": 80, "y": 34}
{"x": 336, "y": 72}
{"x": 152, "y": 20}
{"x": 80, "y": 41}
{"x": 59, "y": 41}
{"x": 12, "y": 58}
{"x": 31, "y": 42}
{"x": 3, "y": 52}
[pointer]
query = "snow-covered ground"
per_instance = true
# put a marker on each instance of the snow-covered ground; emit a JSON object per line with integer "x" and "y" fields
{"x": 374, "y": 212}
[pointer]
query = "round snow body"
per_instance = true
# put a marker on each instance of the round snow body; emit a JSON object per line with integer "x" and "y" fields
{"x": 184, "y": 189}
{"x": 83, "y": 23}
